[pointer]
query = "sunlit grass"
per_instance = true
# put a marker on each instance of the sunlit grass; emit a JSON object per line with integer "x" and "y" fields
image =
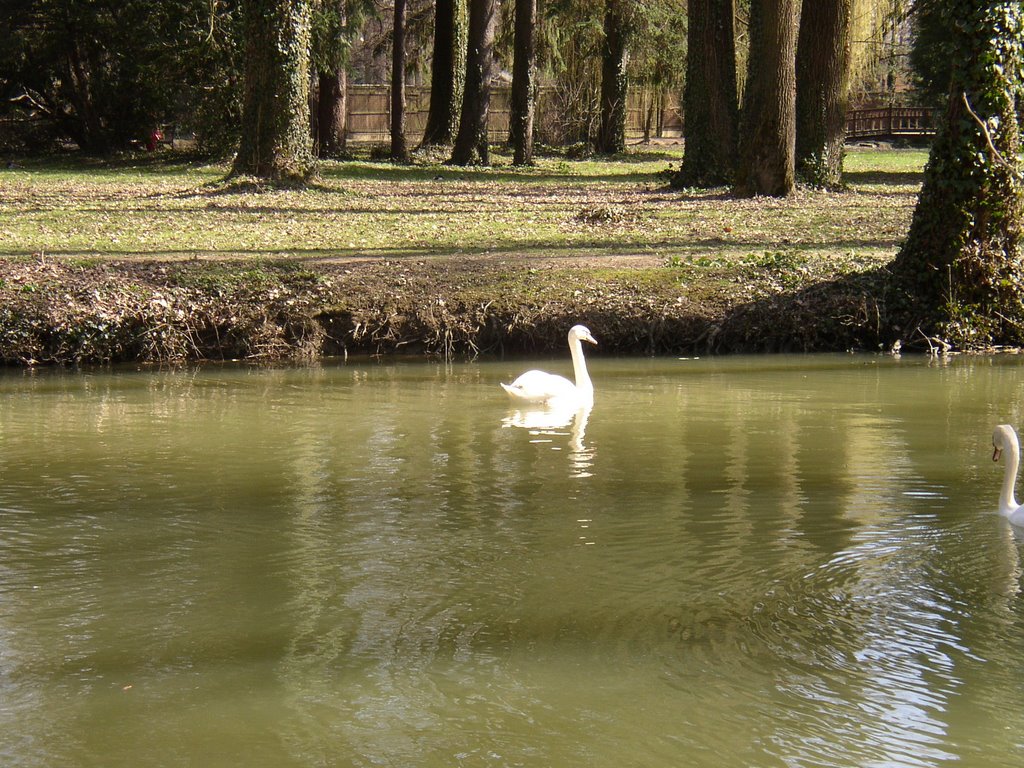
{"x": 171, "y": 209}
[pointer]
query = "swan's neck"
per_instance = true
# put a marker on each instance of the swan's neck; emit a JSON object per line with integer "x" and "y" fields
{"x": 584, "y": 387}
{"x": 1007, "y": 502}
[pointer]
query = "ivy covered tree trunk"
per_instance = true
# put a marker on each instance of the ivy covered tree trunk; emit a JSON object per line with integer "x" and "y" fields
{"x": 961, "y": 266}
{"x": 471, "y": 142}
{"x": 710, "y": 105}
{"x": 822, "y": 88}
{"x": 447, "y": 72}
{"x": 524, "y": 74}
{"x": 276, "y": 143}
{"x": 768, "y": 122}
{"x": 399, "y": 146}
{"x": 611, "y": 138}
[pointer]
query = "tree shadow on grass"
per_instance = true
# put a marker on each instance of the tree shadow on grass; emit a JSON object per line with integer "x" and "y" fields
{"x": 884, "y": 178}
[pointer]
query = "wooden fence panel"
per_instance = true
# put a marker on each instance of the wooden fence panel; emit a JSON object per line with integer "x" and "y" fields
{"x": 369, "y": 114}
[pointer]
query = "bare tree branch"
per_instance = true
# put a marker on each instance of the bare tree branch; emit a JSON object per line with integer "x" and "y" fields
{"x": 996, "y": 154}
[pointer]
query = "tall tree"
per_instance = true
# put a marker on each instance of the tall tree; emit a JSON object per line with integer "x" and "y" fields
{"x": 618, "y": 22}
{"x": 710, "y": 104}
{"x": 399, "y": 146}
{"x": 276, "y": 142}
{"x": 822, "y": 89}
{"x": 767, "y": 135}
{"x": 332, "y": 80}
{"x": 332, "y": 112}
{"x": 961, "y": 265}
{"x": 471, "y": 142}
{"x": 446, "y": 72}
{"x": 524, "y": 86}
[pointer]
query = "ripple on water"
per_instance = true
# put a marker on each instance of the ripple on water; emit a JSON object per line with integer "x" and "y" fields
{"x": 858, "y": 658}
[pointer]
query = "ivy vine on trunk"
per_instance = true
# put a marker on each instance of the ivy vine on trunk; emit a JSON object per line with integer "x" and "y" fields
{"x": 276, "y": 143}
{"x": 961, "y": 270}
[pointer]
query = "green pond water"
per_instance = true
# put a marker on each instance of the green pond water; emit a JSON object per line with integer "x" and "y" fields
{"x": 750, "y": 561}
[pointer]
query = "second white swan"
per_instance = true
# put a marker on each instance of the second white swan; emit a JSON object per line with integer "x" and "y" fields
{"x": 541, "y": 387}
{"x": 1004, "y": 439}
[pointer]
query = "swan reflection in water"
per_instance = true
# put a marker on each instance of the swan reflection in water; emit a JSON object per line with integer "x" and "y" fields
{"x": 547, "y": 422}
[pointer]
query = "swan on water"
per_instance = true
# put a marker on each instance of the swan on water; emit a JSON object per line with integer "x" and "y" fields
{"x": 541, "y": 387}
{"x": 1005, "y": 439}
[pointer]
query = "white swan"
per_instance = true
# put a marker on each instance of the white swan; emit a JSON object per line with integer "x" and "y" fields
{"x": 1005, "y": 439}
{"x": 541, "y": 387}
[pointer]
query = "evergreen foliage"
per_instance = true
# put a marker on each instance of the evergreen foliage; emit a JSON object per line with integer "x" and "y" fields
{"x": 104, "y": 74}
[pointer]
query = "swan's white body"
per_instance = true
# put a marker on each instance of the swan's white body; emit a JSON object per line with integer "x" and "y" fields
{"x": 1004, "y": 439}
{"x": 541, "y": 387}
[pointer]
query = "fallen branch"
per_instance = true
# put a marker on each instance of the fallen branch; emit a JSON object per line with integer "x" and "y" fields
{"x": 936, "y": 346}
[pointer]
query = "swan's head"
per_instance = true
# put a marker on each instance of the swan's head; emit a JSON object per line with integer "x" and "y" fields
{"x": 581, "y": 333}
{"x": 1003, "y": 438}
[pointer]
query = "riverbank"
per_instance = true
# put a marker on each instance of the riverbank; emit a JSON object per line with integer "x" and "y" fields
{"x": 156, "y": 260}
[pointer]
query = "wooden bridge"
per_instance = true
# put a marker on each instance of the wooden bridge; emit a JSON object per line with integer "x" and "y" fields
{"x": 889, "y": 123}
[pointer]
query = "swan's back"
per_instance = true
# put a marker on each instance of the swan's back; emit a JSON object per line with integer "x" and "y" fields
{"x": 540, "y": 387}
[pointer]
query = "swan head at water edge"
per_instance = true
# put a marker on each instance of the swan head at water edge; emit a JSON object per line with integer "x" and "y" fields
{"x": 582, "y": 333}
{"x": 542, "y": 387}
{"x": 1004, "y": 441}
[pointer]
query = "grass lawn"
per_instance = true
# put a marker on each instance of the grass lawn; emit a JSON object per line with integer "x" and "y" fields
{"x": 560, "y": 209}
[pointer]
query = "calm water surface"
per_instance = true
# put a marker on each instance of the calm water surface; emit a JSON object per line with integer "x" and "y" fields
{"x": 769, "y": 561}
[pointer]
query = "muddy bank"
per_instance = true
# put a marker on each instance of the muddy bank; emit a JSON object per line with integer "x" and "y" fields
{"x": 66, "y": 312}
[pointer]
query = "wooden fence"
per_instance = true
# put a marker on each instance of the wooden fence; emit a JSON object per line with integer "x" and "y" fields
{"x": 369, "y": 114}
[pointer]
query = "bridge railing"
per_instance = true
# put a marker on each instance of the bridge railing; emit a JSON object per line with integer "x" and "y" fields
{"x": 886, "y": 122}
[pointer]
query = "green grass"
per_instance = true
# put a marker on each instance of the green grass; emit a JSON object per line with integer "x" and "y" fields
{"x": 147, "y": 209}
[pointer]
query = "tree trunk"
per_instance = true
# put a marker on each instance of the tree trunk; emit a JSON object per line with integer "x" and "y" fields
{"x": 710, "y": 105}
{"x": 961, "y": 266}
{"x": 332, "y": 113}
{"x": 822, "y": 88}
{"x": 767, "y": 125}
{"x": 446, "y": 74}
{"x": 611, "y": 137}
{"x": 276, "y": 142}
{"x": 524, "y": 71}
{"x": 399, "y": 147}
{"x": 87, "y": 127}
{"x": 332, "y": 95}
{"x": 471, "y": 142}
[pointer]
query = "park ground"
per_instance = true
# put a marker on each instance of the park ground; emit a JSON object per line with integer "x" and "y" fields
{"x": 153, "y": 258}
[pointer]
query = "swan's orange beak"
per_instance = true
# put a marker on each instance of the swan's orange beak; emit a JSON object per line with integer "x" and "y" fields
{"x": 996, "y": 453}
